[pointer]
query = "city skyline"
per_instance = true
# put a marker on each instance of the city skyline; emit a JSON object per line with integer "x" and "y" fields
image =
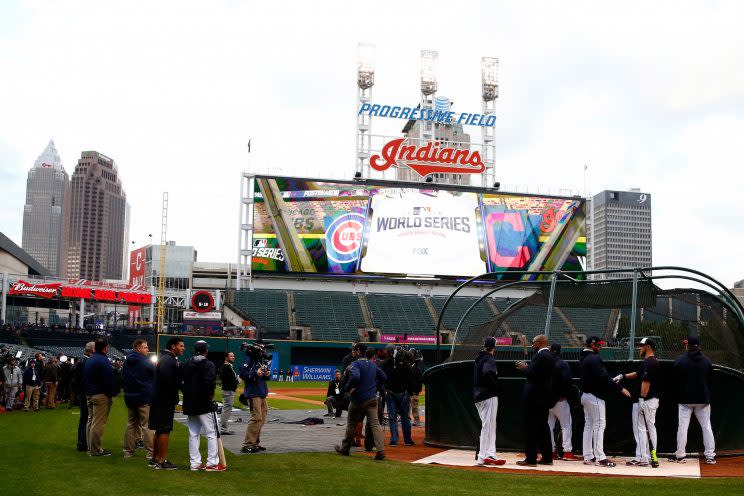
{"x": 653, "y": 101}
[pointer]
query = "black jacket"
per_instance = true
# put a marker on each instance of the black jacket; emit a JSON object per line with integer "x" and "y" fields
{"x": 398, "y": 375}
{"x": 138, "y": 376}
{"x": 485, "y": 377}
{"x": 562, "y": 387}
{"x": 417, "y": 378}
{"x": 333, "y": 386}
{"x": 167, "y": 380}
{"x": 31, "y": 377}
{"x": 594, "y": 377}
{"x": 77, "y": 381}
{"x": 228, "y": 377}
{"x": 199, "y": 380}
{"x": 694, "y": 374}
{"x": 539, "y": 374}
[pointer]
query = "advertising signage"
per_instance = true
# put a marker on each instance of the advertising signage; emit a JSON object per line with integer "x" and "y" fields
{"x": 53, "y": 290}
{"x": 364, "y": 229}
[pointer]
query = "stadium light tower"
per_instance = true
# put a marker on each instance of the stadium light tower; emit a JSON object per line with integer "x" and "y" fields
{"x": 489, "y": 93}
{"x": 428, "y": 90}
{"x": 365, "y": 82}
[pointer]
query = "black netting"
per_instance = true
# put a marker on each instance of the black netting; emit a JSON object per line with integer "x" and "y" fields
{"x": 604, "y": 309}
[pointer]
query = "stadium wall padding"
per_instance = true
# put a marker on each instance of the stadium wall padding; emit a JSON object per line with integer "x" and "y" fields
{"x": 452, "y": 420}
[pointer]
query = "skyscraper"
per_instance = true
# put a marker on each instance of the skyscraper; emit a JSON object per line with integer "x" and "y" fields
{"x": 621, "y": 221}
{"x": 95, "y": 220}
{"x": 46, "y": 189}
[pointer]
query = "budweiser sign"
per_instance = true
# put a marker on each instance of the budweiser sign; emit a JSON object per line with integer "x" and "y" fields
{"x": 427, "y": 159}
{"x": 27, "y": 288}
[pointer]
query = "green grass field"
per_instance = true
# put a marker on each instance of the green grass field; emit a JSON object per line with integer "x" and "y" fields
{"x": 38, "y": 456}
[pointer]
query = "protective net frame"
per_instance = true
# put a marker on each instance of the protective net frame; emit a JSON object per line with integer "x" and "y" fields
{"x": 620, "y": 306}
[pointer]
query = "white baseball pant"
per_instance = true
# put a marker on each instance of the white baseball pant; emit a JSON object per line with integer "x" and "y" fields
{"x": 561, "y": 412}
{"x": 702, "y": 412}
{"x": 642, "y": 429}
{"x": 595, "y": 421}
{"x": 196, "y": 423}
{"x": 487, "y": 410}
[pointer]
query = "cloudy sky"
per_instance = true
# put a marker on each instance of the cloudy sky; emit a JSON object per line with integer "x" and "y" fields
{"x": 648, "y": 94}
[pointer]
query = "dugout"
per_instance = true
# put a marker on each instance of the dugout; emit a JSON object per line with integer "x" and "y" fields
{"x": 568, "y": 308}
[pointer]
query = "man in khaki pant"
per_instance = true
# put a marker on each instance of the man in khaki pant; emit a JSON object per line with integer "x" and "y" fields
{"x": 51, "y": 379}
{"x": 138, "y": 374}
{"x": 32, "y": 383}
{"x": 99, "y": 389}
{"x": 255, "y": 375}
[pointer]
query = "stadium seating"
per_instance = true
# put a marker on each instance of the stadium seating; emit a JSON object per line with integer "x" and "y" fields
{"x": 268, "y": 308}
{"x": 398, "y": 314}
{"x": 588, "y": 321}
{"x": 331, "y": 316}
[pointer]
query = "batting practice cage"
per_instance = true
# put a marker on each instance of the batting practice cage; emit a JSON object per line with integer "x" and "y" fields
{"x": 621, "y": 307}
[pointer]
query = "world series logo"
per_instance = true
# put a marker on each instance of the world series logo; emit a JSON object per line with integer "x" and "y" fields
{"x": 344, "y": 238}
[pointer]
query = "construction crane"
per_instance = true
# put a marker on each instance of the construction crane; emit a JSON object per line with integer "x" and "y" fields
{"x": 161, "y": 269}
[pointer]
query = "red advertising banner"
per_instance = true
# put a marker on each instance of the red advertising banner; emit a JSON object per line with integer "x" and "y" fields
{"x": 137, "y": 267}
{"x": 80, "y": 292}
{"x": 134, "y": 314}
{"x": 41, "y": 290}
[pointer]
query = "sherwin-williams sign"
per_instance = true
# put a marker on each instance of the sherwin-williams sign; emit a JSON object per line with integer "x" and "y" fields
{"x": 312, "y": 372}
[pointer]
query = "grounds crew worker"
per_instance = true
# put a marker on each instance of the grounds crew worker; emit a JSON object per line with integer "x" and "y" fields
{"x": 646, "y": 404}
{"x": 486, "y": 389}
{"x": 694, "y": 374}
{"x": 596, "y": 385}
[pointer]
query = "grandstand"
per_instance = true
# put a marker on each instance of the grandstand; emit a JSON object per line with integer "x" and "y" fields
{"x": 399, "y": 314}
{"x": 343, "y": 316}
{"x": 331, "y": 316}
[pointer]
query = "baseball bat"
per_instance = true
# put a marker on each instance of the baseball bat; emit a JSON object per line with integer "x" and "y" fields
{"x": 654, "y": 458}
{"x": 220, "y": 448}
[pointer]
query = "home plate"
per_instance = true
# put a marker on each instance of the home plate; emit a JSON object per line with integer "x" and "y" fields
{"x": 462, "y": 458}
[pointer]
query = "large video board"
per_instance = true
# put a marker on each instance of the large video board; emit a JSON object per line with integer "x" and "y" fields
{"x": 365, "y": 228}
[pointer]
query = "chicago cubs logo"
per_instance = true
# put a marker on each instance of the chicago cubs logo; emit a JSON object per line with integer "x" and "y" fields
{"x": 344, "y": 238}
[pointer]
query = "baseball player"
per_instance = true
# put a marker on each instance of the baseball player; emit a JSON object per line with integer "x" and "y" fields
{"x": 486, "y": 389}
{"x": 694, "y": 374}
{"x": 646, "y": 404}
{"x": 596, "y": 385}
{"x": 561, "y": 411}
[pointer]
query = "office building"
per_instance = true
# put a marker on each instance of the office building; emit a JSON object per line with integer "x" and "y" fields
{"x": 46, "y": 188}
{"x": 619, "y": 233}
{"x": 95, "y": 220}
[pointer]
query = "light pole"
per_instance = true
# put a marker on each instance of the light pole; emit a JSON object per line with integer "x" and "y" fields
{"x": 365, "y": 82}
{"x": 429, "y": 60}
{"x": 489, "y": 94}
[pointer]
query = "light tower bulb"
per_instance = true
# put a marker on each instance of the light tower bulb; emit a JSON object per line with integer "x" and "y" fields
{"x": 490, "y": 78}
{"x": 366, "y": 65}
{"x": 429, "y": 72}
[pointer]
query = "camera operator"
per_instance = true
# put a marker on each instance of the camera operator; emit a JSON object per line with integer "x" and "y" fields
{"x": 397, "y": 368}
{"x": 12, "y": 378}
{"x": 255, "y": 372}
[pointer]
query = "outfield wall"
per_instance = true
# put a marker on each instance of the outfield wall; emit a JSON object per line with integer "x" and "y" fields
{"x": 452, "y": 420}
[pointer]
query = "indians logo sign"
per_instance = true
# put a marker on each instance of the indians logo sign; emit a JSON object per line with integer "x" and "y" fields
{"x": 344, "y": 238}
{"x": 427, "y": 159}
{"x": 42, "y": 290}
